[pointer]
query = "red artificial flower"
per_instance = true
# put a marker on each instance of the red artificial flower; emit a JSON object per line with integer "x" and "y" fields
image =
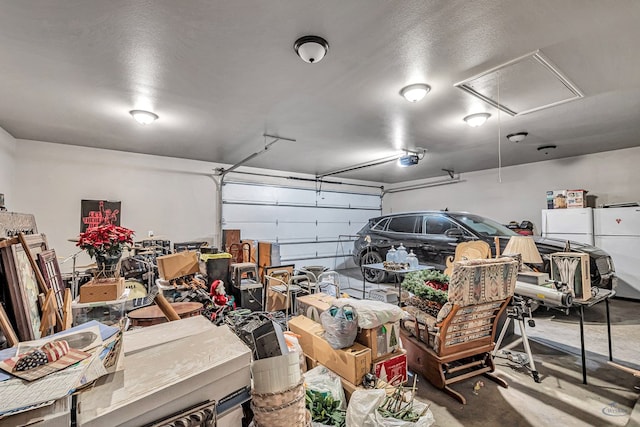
{"x": 108, "y": 239}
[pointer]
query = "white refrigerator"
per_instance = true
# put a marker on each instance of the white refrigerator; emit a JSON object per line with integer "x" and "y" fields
{"x": 617, "y": 231}
{"x": 568, "y": 224}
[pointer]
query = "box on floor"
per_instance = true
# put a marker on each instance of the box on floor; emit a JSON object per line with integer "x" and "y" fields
{"x": 350, "y": 363}
{"x": 312, "y": 306}
{"x": 382, "y": 340}
{"x": 164, "y": 375}
{"x": 393, "y": 368}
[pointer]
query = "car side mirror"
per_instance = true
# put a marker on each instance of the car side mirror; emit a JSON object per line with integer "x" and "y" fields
{"x": 454, "y": 233}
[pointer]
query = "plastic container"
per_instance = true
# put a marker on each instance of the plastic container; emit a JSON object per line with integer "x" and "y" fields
{"x": 392, "y": 255}
{"x": 107, "y": 312}
{"x": 275, "y": 374}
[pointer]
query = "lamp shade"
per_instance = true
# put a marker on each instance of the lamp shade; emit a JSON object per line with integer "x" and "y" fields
{"x": 526, "y": 246}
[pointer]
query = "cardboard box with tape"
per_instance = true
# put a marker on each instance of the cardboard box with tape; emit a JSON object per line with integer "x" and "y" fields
{"x": 178, "y": 265}
{"x": 314, "y": 305}
{"x": 382, "y": 340}
{"x": 350, "y": 363}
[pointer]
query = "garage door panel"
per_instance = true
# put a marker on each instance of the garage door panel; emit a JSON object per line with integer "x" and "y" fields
{"x": 254, "y": 230}
{"x": 249, "y": 213}
{"x": 348, "y": 200}
{"x": 260, "y": 213}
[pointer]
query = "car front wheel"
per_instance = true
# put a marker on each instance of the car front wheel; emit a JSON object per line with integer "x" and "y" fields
{"x": 371, "y": 275}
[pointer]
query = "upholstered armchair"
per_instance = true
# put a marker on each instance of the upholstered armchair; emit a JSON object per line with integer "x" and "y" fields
{"x": 457, "y": 344}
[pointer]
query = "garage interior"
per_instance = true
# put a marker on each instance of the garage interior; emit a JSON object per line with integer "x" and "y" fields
{"x": 247, "y": 133}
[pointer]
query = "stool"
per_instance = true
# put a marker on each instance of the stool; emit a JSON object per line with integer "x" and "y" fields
{"x": 246, "y": 288}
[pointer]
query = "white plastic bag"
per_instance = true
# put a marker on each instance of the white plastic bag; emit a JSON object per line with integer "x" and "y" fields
{"x": 323, "y": 380}
{"x": 372, "y": 314}
{"x": 363, "y": 411}
{"x": 294, "y": 346}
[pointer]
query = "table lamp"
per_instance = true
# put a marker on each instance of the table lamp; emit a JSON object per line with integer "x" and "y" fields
{"x": 526, "y": 247}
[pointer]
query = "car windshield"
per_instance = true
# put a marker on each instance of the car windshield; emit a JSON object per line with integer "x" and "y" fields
{"x": 483, "y": 226}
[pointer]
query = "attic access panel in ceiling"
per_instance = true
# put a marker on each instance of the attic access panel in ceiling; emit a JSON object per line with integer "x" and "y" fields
{"x": 524, "y": 85}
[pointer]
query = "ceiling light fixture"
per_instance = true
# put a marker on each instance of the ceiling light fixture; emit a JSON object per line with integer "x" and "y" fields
{"x": 415, "y": 92}
{"x": 311, "y": 48}
{"x": 478, "y": 119}
{"x": 143, "y": 117}
{"x": 547, "y": 148}
{"x": 517, "y": 137}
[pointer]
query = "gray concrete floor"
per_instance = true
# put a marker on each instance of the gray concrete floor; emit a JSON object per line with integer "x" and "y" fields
{"x": 561, "y": 398}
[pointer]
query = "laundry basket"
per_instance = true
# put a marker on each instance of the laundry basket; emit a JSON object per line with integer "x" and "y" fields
{"x": 282, "y": 409}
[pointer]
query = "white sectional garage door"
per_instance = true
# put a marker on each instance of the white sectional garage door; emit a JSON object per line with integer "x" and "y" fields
{"x": 311, "y": 227}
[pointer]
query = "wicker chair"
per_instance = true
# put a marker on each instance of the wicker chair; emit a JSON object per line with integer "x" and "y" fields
{"x": 457, "y": 344}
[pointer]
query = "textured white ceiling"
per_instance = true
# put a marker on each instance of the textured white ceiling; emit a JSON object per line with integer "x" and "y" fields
{"x": 221, "y": 73}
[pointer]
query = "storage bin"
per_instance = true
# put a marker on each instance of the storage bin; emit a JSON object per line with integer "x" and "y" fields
{"x": 107, "y": 312}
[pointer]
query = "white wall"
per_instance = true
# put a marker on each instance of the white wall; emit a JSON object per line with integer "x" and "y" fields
{"x": 7, "y": 162}
{"x": 613, "y": 176}
{"x": 175, "y": 198}
{"x": 172, "y": 197}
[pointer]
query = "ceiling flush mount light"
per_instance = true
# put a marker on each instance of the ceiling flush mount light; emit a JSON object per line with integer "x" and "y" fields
{"x": 415, "y": 92}
{"x": 546, "y": 148}
{"x": 517, "y": 137}
{"x": 143, "y": 117}
{"x": 311, "y": 48}
{"x": 478, "y": 119}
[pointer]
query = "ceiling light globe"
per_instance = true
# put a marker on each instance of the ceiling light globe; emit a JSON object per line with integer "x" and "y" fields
{"x": 415, "y": 92}
{"x": 517, "y": 137}
{"x": 478, "y": 119}
{"x": 311, "y": 49}
{"x": 143, "y": 117}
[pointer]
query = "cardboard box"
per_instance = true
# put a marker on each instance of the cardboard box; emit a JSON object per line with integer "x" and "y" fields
{"x": 178, "y": 265}
{"x": 106, "y": 289}
{"x": 393, "y": 368}
{"x": 313, "y": 305}
{"x": 573, "y": 269}
{"x": 557, "y": 199}
{"x": 577, "y": 198}
{"x": 382, "y": 340}
{"x": 350, "y": 363}
{"x": 349, "y": 388}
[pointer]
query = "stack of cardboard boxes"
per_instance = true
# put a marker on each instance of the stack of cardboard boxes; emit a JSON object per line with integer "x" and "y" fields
{"x": 376, "y": 351}
{"x": 563, "y": 199}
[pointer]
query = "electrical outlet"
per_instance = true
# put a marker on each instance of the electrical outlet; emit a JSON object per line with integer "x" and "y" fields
{"x": 150, "y": 233}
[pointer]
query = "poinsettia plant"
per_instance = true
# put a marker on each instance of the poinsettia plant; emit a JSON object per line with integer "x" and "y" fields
{"x": 105, "y": 239}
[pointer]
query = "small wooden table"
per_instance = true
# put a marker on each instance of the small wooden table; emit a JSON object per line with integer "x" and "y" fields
{"x": 152, "y": 315}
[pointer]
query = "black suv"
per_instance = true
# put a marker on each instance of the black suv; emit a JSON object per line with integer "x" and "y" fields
{"x": 434, "y": 235}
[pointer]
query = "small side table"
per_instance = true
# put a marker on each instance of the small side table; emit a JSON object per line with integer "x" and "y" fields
{"x": 602, "y": 295}
{"x": 396, "y": 275}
